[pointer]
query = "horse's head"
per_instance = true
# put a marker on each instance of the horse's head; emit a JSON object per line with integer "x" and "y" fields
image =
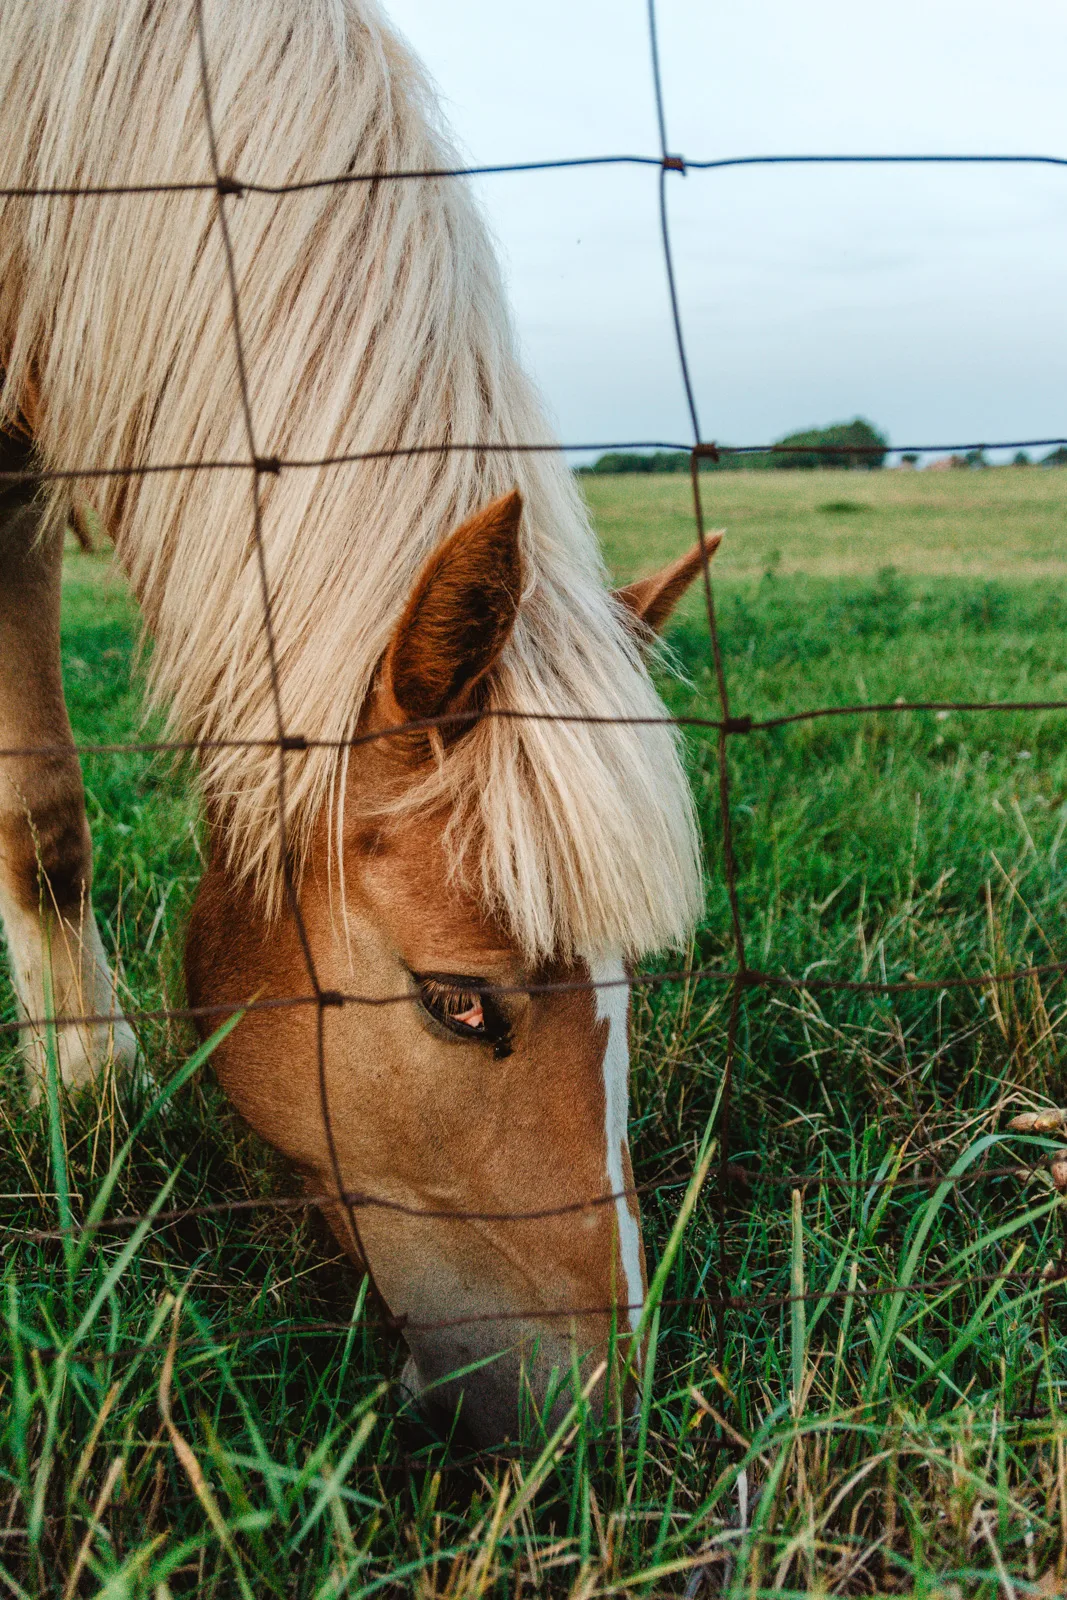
{"x": 486, "y": 1087}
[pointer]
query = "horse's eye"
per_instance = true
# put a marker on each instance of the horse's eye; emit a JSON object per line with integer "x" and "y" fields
{"x": 457, "y": 1007}
{"x": 464, "y": 1009}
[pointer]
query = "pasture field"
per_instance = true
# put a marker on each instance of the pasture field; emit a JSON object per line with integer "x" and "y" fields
{"x": 175, "y": 1420}
{"x": 1004, "y": 523}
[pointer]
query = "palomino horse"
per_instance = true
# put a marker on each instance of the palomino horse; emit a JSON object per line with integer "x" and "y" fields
{"x": 462, "y": 868}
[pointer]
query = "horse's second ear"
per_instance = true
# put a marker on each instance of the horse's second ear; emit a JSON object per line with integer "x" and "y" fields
{"x": 651, "y": 600}
{"x": 460, "y": 615}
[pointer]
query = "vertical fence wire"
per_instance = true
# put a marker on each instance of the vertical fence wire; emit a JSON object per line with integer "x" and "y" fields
{"x": 224, "y": 190}
{"x": 676, "y": 164}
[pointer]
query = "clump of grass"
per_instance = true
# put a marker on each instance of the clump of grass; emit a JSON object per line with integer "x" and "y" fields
{"x": 840, "y": 508}
{"x": 856, "y": 1380}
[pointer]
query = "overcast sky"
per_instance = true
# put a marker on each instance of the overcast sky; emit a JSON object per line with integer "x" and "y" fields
{"x": 931, "y": 300}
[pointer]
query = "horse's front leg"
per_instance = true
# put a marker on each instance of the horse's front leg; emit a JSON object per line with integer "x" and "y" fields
{"x": 57, "y": 958}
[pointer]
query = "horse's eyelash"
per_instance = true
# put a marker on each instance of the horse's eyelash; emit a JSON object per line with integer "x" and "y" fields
{"x": 451, "y": 999}
{"x": 447, "y": 998}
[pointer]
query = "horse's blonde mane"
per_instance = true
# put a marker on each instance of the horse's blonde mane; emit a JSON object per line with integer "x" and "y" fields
{"x": 373, "y": 317}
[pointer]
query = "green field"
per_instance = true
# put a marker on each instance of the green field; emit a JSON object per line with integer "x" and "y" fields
{"x": 1005, "y": 523}
{"x": 870, "y": 1442}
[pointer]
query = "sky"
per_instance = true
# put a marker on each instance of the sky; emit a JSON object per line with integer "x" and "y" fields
{"x": 930, "y": 300}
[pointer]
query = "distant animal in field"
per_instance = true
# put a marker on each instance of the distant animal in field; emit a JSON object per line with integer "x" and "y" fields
{"x": 460, "y": 867}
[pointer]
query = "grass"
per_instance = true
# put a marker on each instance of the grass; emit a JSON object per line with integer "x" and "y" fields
{"x": 1006, "y": 523}
{"x": 168, "y": 1429}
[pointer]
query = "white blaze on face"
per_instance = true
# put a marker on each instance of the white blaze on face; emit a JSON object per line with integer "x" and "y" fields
{"x": 612, "y": 1007}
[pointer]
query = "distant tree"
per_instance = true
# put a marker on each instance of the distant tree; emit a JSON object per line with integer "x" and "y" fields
{"x": 1020, "y": 459}
{"x": 910, "y": 458}
{"x": 975, "y": 458}
{"x": 617, "y": 461}
{"x": 842, "y": 444}
{"x": 620, "y": 461}
{"x": 1056, "y": 458}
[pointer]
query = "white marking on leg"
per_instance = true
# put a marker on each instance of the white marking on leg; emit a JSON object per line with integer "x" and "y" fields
{"x": 612, "y": 1007}
{"x": 59, "y": 967}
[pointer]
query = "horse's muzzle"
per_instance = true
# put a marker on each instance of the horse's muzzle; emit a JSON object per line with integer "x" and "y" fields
{"x": 508, "y": 1398}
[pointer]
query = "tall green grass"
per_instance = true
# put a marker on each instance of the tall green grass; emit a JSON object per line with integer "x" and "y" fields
{"x": 166, "y": 1427}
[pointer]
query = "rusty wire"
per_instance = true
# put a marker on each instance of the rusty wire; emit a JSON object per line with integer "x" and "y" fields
{"x": 1042, "y": 1280}
{"x": 748, "y": 978}
{"x": 272, "y": 466}
{"x": 298, "y": 743}
{"x": 741, "y": 977}
{"x": 358, "y": 1199}
{"x": 256, "y": 470}
{"x": 237, "y": 188}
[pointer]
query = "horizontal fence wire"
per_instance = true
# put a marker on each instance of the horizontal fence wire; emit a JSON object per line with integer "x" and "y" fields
{"x": 296, "y": 743}
{"x": 748, "y": 978}
{"x": 1036, "y": 1283}
{"x": 227, "y": 189}
{"x": 231, "y": 187}
{"x": 745, "y": 1177}
{"x": 272, "y": 466}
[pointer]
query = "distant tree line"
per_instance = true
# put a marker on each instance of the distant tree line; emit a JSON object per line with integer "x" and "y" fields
{"x": 843, "y": 444}
{"x": 854, "y": 444}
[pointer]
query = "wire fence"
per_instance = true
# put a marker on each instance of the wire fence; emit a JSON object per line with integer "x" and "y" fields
{"x": 230, "y": 189}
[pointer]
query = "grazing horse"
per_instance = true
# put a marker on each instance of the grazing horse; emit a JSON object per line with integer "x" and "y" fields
{"x": 467, "y": 867}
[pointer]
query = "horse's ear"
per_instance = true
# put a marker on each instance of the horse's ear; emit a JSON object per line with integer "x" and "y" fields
{"x": 651, "y": 600}
{"x": 459, "y": 617}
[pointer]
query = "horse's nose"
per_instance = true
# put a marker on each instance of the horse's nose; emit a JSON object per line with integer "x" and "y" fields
{"x": 495, "y": 1406}
{"x": 506, "y": 1398}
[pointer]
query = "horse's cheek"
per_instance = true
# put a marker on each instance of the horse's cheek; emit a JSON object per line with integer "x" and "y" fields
{"x": 264, "y": 1064}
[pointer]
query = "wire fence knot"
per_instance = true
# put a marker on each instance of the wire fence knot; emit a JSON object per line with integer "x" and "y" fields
{"x": 293, "y": 741}
{"x": 674, "y": 164}
{"x": 271, "y": 465}
{"x": 737, "y": 725}
{"x": 331, "y": 997}
{"x": 229, "y": 186}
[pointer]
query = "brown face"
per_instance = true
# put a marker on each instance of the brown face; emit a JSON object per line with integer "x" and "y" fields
{"x": 474, "y": 1092}
{"x": 455, "y": 1099}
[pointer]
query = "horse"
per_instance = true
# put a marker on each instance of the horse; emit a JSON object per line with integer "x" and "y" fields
{"x": 486, "y": 819}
